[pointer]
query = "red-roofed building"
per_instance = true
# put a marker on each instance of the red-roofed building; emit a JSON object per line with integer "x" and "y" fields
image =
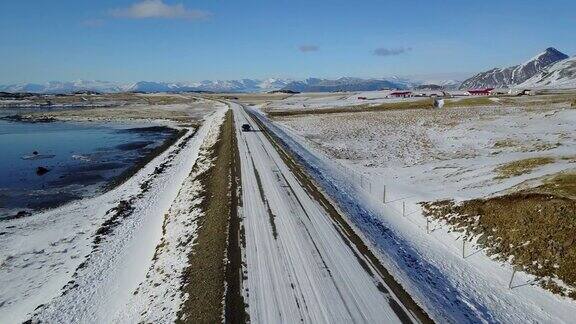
{"x": 480, "y": 92}
{"x": 401, "y": 94}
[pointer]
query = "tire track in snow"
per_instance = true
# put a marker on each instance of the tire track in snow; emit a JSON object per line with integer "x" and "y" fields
{"x": 309, "y": 255}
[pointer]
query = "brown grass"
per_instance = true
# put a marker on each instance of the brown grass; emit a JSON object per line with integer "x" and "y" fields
{"x": 548, "y": 99}
{"x": 520, "y": 167}
{"x": 166, "y": 100}
{"x": 537, "y": 101}
{"x": 505, "y": 143}
{"x": 249, "y": 98}
{"x": 470, "y": 102}
{"x": 404, "y": 105}
{"x": 534, "y": 231}
{"x": 561, "y": 184}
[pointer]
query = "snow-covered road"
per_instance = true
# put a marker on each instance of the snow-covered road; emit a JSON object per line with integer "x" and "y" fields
{"x": 300, "y": 265}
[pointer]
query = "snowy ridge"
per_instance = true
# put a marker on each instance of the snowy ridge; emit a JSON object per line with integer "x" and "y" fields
{"x": 510, "y": 76}
{"x": 561, "y": 74}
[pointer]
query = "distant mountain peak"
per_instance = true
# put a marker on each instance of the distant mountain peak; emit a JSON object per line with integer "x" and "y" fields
{"x": 514, "y": 75}
{"x": 553, "y": 50}
{"x": 548, "y": 55}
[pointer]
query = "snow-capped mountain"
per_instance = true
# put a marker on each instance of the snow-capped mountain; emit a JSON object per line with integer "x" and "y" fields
{"x": 147, "y": 86}
{"x": 244, "y": 85}
{"x": 65, "y": 87}
{"x": 561, "y": 74}
{"x": 343, "y": 84}
{"x": 511, "y": 76}
{"x": 444, "y": 84}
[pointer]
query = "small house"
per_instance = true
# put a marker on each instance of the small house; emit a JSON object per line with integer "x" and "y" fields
{"x": 401, "y": 94}
{"x": 481, "y": 92}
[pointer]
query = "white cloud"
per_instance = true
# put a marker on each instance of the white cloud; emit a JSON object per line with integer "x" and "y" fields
{"x": 308, "y": 48}
{"x": 382, "y": 51}
{"x": 93, "y": 23}
{"x": 158, "y": 9}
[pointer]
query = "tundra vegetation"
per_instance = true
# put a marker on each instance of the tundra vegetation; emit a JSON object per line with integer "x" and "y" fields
{"x": 533, "y": 229}
{"x": 520, "y": 167}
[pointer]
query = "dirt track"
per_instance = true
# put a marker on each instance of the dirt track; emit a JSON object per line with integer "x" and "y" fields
{"x": 204, "y": 279}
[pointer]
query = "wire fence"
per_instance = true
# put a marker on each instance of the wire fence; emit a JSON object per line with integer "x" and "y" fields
{"x": 375, "y": 188}
{"x": 403, "y": 206}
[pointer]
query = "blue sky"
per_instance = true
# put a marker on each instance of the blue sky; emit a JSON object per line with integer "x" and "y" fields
{"x": 166, "y": 40}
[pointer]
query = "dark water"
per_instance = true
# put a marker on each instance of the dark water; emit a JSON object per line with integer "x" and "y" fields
{"x": 80, "y": 159}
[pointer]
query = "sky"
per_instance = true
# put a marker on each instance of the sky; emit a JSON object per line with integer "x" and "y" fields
{"x": 180, "y": 40}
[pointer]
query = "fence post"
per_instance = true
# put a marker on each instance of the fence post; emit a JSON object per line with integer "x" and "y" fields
{"x": 384, "y": 194}
{"x": 463, "y": 247}
{"x": 511, "y": 279}
{"x": 404, "y": 209}
{"x": 427, "y": 225}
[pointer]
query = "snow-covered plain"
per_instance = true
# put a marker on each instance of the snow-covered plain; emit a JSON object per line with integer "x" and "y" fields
{"x": 54, "y": 267}
{"x": 312, "y": 101}
{"x": 331, "y": 100}
{"x": 423, "y": 155}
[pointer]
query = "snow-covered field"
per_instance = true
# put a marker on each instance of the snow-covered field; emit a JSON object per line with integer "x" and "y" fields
{"x": 457, "y": 148}
{"x": 331, "y": 100}
{"x": 403, "y": 157}
{"x": 77, "y": 263}
{"x": 310, "y": 101}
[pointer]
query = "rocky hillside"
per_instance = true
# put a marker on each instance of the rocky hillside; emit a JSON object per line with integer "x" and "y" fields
{"x": 514, "y": 75}
{"x": 561, "y": 74}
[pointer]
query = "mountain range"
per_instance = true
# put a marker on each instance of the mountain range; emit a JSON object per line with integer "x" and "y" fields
{"x": 243, "y": 85}
{"x": 549, "y": 69}
{"x": 514, "y": 75}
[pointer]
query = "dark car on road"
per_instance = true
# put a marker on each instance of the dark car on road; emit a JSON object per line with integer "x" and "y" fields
{"x": 246, "y": 127}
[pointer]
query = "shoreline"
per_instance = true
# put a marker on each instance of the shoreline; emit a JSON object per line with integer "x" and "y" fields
{"x": 122, "y": 257}
{"x": 177, "y": 131}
